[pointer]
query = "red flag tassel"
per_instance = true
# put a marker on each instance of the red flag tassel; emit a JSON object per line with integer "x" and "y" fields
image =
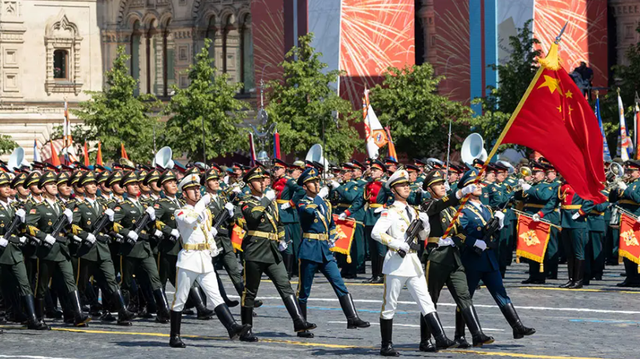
{"x": 252, "y": 149}
{"x": 276, "y": 145}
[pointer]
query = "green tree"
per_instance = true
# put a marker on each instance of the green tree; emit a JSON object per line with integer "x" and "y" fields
{"x": 514, "y": 78}
{"x": 418, "y": 117}
{"x": 208, "y": 101}
{"x": 116, "y": 116}
{"x": 7, "y": 144}
{"x": 303, "y": 99}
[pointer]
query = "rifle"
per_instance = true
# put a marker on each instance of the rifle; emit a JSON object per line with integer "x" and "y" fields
{"x": 411, "y": 234}
{"x": 142, "y": 222}
{"x": 99, "y": 227}
{"x": 12, "y": 227}
{"x": 61, "y": 223}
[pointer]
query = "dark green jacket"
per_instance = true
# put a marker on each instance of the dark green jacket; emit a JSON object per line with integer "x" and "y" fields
{"x": 166, "y": 222}
{"x": 85, "y": 218}
{"x": 11, "y": 254}
{"x": 40, "y": 221}
{"x": 441, "y": 212}
{"x": 261, "y": 215}
{"x": 223, "y": 238}
{"x": 126, "y": 216}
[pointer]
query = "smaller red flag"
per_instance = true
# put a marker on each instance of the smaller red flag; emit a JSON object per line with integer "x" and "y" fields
{"x": 86, "y": 155}
{"x": 123, "y": 152}
{"x": 55, "y": 160}
{"x": 99, "y": 155}
{"x": 533, "y": 238}
{"x": 345, "y": 229}
{"x": 629, "y": 232}
{"x": 237, "y": 235}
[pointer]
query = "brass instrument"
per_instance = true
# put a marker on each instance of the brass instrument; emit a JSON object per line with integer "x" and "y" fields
{"x": 127, "y": 163}
{"x": 522, "y": 174}
{"x": 615, "y": 175}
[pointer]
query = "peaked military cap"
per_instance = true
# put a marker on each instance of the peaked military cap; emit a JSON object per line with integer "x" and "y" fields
{"x": 18, "y": 180}
{"x": 379, "y": 165}
{"x": 32, "y": 179}
{"x": 412, "y": 168}
{"x": 433, "y": 177}
{"x": 87, "y": 177}
{"x": 254, "y": 173}
{"x": 477, "y": 163}
{"x": 468, "y": 178}
{"x": 536, "y": 167}
{"x": 152, "y": 176}
{"x": 129, "y": 177}
{"x": 167, "y": 176}
{"x": 192, "y": 171}
{"x": 279, "y": 163}
{"x": 419, "y": 163}
{"x": 114, "y": 178}
{"x": 633, "y": 164}
{"x": 75, "y": 177}
{"x": 191, "y": 180}
{"x": 102, "y": 176}
{"x": 359, "y": 164}
{"x": 310, "y": 174}
{"x": 4, "y": 179}
{"x": 298, "y": 165}
{"x": 210, "y": 174}
{"x": 398, "y": 177}
{"x": 63, "y": 177}
{"x": 391, "y": 162}
{"x": 47, "y": 177}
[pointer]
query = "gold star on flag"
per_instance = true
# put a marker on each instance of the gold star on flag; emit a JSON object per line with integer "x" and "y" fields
{"x": 568, "y": 94}
{"x": 552, "y": 83}
{"x": 559, "y": 108}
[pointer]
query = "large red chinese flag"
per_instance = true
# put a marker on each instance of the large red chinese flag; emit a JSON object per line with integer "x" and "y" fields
{"x": 554, "y": 119}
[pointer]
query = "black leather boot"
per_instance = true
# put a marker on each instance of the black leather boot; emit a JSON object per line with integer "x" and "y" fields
{"x": 124, "y": 316}
{"x": 578, "y": 274}
{"x": 246, "y": 315}
{"x": 374, "y": 270}
{"x": 174, "y": 338}
{"x": 33, "y": 322}
{"x": 226, "y": 318}
{"x": 458, "y": 337}
{"x": 471, "y": 318}
{"x": 39, "y": 309}
{"x": 570, "y": 283}
{"x": 52, "y": 311}
{"x": 349, "y": 309}
{"x": 293, "y": 307}
{"x": 386, "y": 332}
{"x": 223, "y": 293}
{"x": 79, "y": 318}
{"x": 519, "y": 330}
{"x": 379, "y": 274}
{"x": 162, "y": 306}
{"x": 304, "y": 333}
{"x": 435, "y": 326}
{"x": 204, "y": 313}
{"x": 425, "y": 337}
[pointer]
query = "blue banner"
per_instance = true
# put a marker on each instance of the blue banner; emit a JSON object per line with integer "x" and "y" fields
{"x": 607, "y": 154}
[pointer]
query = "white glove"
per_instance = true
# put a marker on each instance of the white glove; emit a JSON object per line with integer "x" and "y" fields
{"x": 229, "y": 208}
{"x": 332, "y": 244}
{"x": 285, "y": 205}
{"x": 447, "y": 187}
{"x": 69, "y": 213}
{"x": 236, "y": 190}
{"x": 110, "y": 213}
{"x": 151, "y": 212}
{"x": 133, "y": 235}
{"x": 22, "y": 214}
{"x": 622, "y": 186}
{"x": 91, "y": 238}
{"x": 536, "y": 217}
{"x": 500, "y": 216}
{"x": 638, "y": 219}
{"x": 175, "y": 234}
{"x": 282, "y": 245}
{"x": 157, "y": 233}
{"x": 206, "y": 199}
{"x": 334, "y": 184}
{"x": 213, "y": 232}
{"x": 77, "y": 239}
{"x": 480, "y": 244}
{"x": 404, "y": 246}
{"x": 425, "y": 220}
{"x": 342, "y": 216}
{"x": 444, "y": 242}
{"x": 3, "y": 242}
{"x": 575, "y": 216}
{"x": 215, "y": 251}
{"x": 378, "y": 210}
{"x": 468, "y": 190}
{"x": 49, "y": 239}
{"x": 525, "y": 186}
{"x": 324, "y": 192}
{"x": 271, "y": 195}
{"x": 22, "y": 239}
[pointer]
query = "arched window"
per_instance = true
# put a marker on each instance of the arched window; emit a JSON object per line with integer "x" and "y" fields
{"x": 211, "y": 35}
{"x": 60, "y": 65}
{"x": 135, "y": 55}
{"x": 246, "y": 55}
{"x": 168, "y": 64}
{"x": 231, "y": 50}
{"x": 152, "y": 43}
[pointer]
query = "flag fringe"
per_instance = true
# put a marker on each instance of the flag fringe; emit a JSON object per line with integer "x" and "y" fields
{"x": 552, "y": 60}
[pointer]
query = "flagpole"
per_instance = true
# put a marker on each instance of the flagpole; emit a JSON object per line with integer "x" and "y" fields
{"x": 448, "y": 150}
{"x": 550, "y": 61}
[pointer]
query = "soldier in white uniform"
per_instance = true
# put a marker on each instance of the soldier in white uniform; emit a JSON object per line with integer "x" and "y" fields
{"x": 398, "y": 271}
{"x": 194, "y": 222}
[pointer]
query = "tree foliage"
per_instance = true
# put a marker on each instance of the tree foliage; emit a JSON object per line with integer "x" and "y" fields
{"x": 418, "y": 117}
{"x": 208, "y": 100}
{"x": 7, "y": 144}
{"x": 303, "y": 99}
{"x": 116, "y": 116}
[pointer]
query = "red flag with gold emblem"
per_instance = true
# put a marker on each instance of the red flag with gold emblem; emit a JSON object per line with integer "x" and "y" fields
{"x": 533, "y": 239}
{"x": 629, "y": 246}
{"x": 345, "y": 229}
{"x": 554, "y": 119}
{"x": 237, "y": 235}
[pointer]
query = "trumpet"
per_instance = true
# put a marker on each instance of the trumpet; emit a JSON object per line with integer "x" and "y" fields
{"x": 615, "y": 175}
{"x": 523, "y": 173}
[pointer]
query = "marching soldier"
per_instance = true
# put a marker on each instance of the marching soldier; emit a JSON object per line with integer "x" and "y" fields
{"x": 400, "y": 271}
{"x": 479, "y": 258}
{"x": 347, "y": 194}
{"x": 594, "y": 251}
{"x": 136, "y": 251}
{"x": 262, "y": 245}
{"x": 319, "y": 234}
{"x": 55, "y": 254}
{"x": 499, "y": 197}
{"x": 94, "y": 255}
{"x": 194, "y": 261}
{"x": 444, "y": 265}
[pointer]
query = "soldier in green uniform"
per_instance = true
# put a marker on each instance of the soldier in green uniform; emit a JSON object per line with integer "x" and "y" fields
{"x": 499, "y": 197}
{"x": 443, "y": 263}
{"x": 346, "y": 195}
{"x": 55, "y": 254}
{"x": 13, "y": 273}
{"x": 551, "y": 213}
{"x": 94, "y": 255}
{"x": 422, "y": 174}
{"x": 136, "y": 251}
{"x": 262, "y": 245}
{"x": 594, "y": 250}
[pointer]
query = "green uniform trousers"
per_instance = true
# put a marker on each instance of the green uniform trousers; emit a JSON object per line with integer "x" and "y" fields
{"x": 454, "y": 276}
{"x": 15, "y": 276}
{"x": 102, "y": 271}
{"x": 230, "y": 264}
{"x": 167, "y": 268}
{"x": 253, "y": 274}
{"x": 46, "y": 269}
{"x": 129, "y": 267}
{"x": 575, "y": 240}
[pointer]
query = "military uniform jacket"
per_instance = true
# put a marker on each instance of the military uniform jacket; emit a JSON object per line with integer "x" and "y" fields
{"x": 629, "y": 198}
{"x": 474, "y": 220}
{"x": 223, "y": 239}
{"x": 390, "y": 231}
{"x": 499, "y": 197}
{"x": 127, "y": 214}
{"x": 166, "y": 222}
{"x": 369, "y": 201}
{"x": 346, "y": 194}
{"x": 40, "y": 220}
{"x": 597, "y": 217}
{"x": 441, "y": 212}
{"x": 572, "y": 203}
{"x": 85, "y": 217}
{"x": 536, "y": 197}
{"x": 316, "y": 219}
{"x": 194, "y": 224}
{"x": 264, "y": 230}
{"x": 11, "y": 254}
{"x": 288, "y": 191}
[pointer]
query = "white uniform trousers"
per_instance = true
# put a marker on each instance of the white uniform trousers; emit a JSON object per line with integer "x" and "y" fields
{"x": 208, "y": 283}
{"x": 417, "y": 287}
